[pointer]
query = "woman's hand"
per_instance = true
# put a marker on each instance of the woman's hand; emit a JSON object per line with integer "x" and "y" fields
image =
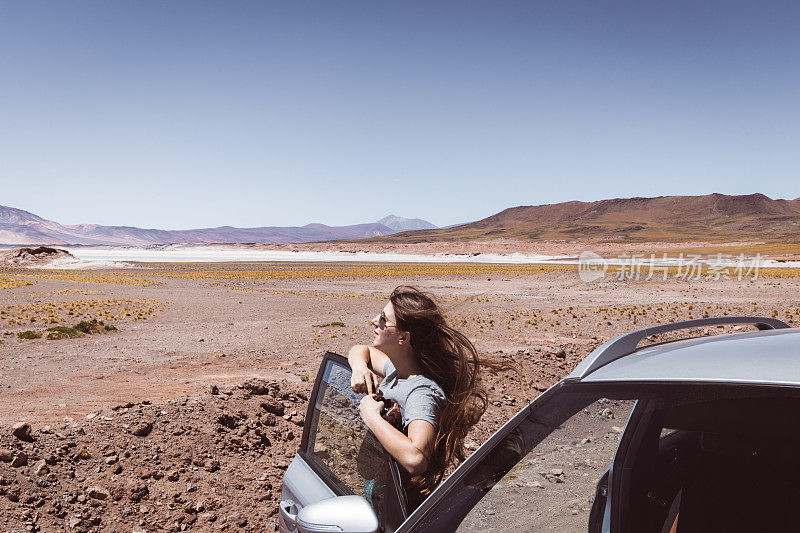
{"x": 369, "y": 408}
{"x": 365, "y": 381}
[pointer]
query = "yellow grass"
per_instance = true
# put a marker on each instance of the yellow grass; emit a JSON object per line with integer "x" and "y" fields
{"x": 94, "y": 278}
{"x": 367, "y": 270}
{"x": 13, "y": 283}
{"x": 55, "y": 312}
{"x": 643, "y": 315}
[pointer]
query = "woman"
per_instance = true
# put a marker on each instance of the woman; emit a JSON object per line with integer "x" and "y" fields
{"x": 431, "y": 371}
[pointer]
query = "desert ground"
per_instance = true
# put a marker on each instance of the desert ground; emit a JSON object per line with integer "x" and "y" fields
{"x": 183, "y": 408}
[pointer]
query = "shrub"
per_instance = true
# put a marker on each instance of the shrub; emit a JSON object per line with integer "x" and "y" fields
{"x": 79, "y": 330}
{"x": 29, "y": 334}
{"x": 92, "y": 326}
{"x": 63, "y": 332}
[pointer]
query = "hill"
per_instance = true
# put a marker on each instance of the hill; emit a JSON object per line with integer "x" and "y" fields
{"x": 713, "y": 217}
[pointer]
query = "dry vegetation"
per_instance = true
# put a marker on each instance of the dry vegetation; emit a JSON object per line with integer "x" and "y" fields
{"x": 13, "y": 283}
{"x": 55, "y": 312}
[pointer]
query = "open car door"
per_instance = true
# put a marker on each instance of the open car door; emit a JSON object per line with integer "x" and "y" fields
{"x": 340, "y": 462}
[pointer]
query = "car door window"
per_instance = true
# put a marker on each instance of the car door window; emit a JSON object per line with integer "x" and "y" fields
{"x": 339, "y": 446}
{"x": 538, "y": 471}
{"x": 552, "y": 486}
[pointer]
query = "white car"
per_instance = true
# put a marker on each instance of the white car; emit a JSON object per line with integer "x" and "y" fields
{"x": 698, "y": 434}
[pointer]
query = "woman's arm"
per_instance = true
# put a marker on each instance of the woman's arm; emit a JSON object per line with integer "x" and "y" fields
{"x": 366, "y": 367}
{"x": 412, "y": 451}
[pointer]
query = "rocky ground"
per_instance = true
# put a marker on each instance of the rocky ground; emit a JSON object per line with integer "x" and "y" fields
{"x": 186, "y": 416}
{"x": 210, "y": 461}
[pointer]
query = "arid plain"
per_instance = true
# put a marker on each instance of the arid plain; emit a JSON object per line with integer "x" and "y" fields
{"x": 183, "y": 328}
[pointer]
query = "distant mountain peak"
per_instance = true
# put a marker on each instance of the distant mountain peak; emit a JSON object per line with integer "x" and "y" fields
{"x": 24, "y": 228}
{"x": 405, "y": 224}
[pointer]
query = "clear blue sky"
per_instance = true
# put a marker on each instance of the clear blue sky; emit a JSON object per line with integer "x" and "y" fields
{"x": 195, "y": 114}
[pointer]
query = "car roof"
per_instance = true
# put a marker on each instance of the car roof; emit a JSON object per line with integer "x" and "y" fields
{"x": 770, "y": 357}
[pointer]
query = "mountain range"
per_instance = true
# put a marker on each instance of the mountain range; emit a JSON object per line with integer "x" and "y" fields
{"x": 711, "y": 218}
{"x": 21, "y": 227}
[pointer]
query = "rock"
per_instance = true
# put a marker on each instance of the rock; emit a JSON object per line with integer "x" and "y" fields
{"x": 606, "y": 414}
{"x": 237, "y": 519}
{"x": 209, "y": 517}
{"x": 6, "y": 455}
{"x": 111, "y": 459}
{"x": 138, "y": 491}
{"x": 22, "y": 430}
{"x": 214, "y": 390}
{"x": 227, "y": 420}
{"x": 143, "y": 429}
{"x": 616, "y": 429}
{"x": 300, "y": 420}
{"x": 256, "y": 386}
{"x": 98, "y": 493}
{"x": 21, "y": 459}
{"x": 273, "y": 406}
{"x": 117, "y": 469}
{"x": 560, "y": 353}
{"x": 173, "y": 476}
{"x": 74, "y": 522}
{"x": 199, "y": 507}
{"x": 13, "y": 494}
{"x": 41, "y": 468}
{"x": 269, "y": 420}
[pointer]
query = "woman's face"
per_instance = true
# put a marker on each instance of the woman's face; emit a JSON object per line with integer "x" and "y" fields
{"x": 386, "y": 332}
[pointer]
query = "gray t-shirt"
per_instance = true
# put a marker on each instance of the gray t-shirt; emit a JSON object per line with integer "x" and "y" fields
{"x": 420, "y": 398}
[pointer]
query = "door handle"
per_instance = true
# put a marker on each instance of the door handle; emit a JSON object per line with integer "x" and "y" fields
{"x": 289, "y": 510}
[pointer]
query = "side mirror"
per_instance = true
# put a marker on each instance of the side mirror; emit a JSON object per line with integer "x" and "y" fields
{"x": 348, "y": 514}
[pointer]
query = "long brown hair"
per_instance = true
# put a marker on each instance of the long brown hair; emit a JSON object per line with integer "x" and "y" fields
{"x": 449, "y": 358}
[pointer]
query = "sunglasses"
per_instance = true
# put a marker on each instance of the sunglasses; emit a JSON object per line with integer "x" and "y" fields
{"x": 382, "y": 321}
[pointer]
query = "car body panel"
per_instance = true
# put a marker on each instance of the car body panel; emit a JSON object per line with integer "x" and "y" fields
{"x": 628, "y": 343}
{"x": 304, "y": 484}
{"x": 759, "y": 357}
{"x": 301, "y": 487}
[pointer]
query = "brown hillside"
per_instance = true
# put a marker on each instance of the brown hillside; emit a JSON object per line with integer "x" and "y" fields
{"x": 713, "y": 217}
